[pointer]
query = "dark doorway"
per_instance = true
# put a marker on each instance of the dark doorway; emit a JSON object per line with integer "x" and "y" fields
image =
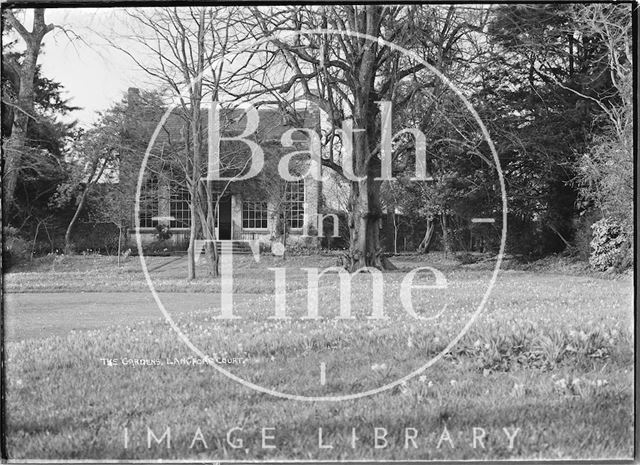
{"x": 224, "y": 218}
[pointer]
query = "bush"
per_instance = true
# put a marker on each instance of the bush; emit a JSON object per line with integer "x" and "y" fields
{"x": 99, "y": 237}
{"x": 16, "y": 249}
{"x": 467, "y": 258}
{"x": 610, "y": 246}
{"x": 584, "y": 233}
{"x": 303, "y": 249}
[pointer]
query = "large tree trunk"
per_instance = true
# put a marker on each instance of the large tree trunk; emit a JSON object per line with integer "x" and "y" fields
{"x": 364, "y": 227}
{"x": 17, "y": 142}
{"x": 364, "y": 201}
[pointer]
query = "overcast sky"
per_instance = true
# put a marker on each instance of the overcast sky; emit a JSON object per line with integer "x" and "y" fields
{"x": 93, "y": 74}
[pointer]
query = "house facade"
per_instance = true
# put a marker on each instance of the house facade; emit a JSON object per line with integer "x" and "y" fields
{"x": 244, "y": 211}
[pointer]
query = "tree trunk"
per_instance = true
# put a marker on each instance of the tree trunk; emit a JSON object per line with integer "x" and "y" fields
{"x": 193, "y": 212}
{"x": 35, "y": 238}
{"x": 17, "y": 142}
{"x": 445, "y": 234}
{"x": 93, "y": 179}
{"x": 285, "y": 233}
{"x": 67, "y": 235}
{"x": 193, "y": 231}
{"x": 566, "y": 242}
{"x": 195, "y": 100}
{"x": 426, "y": 240}
{"x": 213, "y": 258}
{"x": 395, "y": 232}
{"x": 119, "y": 242}
{"x": 364, "y": 227}
{"x": 364, "y": 201}
{"x": 195, "y": 176}
{"x": 14, "y": 148}
{"x": 208, "y": 221}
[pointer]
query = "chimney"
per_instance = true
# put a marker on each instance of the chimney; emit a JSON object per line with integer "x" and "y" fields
{"x": 133, "y": 96}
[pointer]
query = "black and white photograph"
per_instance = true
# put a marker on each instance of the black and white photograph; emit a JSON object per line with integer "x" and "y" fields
{"x": 318, "y": 232}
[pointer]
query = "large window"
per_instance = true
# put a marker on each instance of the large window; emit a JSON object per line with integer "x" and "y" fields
{"x": 180, "y": 208}
{"x": 149, "y": 203}
{"x": 254, "y": 215}
{"x": 294, "y": 203}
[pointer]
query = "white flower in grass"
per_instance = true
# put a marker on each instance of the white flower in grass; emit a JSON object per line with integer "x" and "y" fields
{"x": 379, "y": 366}
{"x": 561, "y": 383}
{"x": 422, "y": 378}
{"x": 518, "y": 390}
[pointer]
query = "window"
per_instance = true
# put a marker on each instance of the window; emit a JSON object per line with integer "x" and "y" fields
{"x": 294, "y": 203}
{"x": 254, "y": 215}
{"x": 180, "y": 208}
{"x": 149, "y": 203}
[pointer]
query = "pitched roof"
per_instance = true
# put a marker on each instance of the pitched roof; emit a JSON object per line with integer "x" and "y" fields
{"x": 273, "y": 122}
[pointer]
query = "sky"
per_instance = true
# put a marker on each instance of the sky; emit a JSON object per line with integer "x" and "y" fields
{"x": 77, "y": 54}
{"x": 94, "y": 74}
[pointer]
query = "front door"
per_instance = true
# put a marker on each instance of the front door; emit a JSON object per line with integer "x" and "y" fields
{"x": 224, "y": 218}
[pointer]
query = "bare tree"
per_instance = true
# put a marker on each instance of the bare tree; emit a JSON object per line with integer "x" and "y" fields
{"x": 188, "y": 48}
{"x": 605, "y": 172}
{"x": 347, "y": 76}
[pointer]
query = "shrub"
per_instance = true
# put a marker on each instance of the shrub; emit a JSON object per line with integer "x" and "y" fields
{"x": 610, "y": 246}
{"x": 584, "y": 233}
{"x": 301, "y": 248}
{"x": 265, "y": 247}
{"x": 163, "y": 233}
{"x": 16, "y": 249}
{"x": 466, "y": 258}
{"x": 99, "y": 237}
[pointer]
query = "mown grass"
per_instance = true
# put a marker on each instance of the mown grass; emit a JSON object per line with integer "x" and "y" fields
{"x": 551, "y": 355}
{"x": 97, "y": 273}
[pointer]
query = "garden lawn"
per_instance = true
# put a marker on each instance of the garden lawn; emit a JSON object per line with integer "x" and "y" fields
{"x": 550, "y": 359}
